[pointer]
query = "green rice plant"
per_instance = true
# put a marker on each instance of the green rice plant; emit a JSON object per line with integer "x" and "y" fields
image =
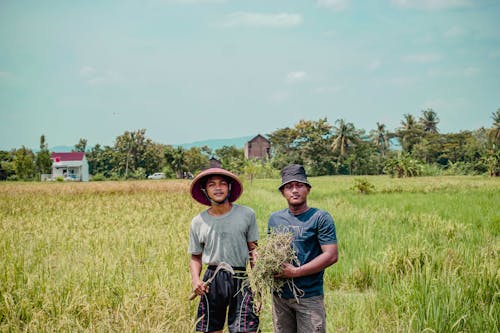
{"x": 420, "y": 254}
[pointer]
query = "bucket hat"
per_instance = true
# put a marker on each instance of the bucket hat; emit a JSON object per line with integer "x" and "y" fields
{"x": 198, "y": 184}
{"x": 293, "y": 173}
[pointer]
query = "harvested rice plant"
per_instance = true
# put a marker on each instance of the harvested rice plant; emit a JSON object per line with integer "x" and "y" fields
{"x": 415, "y": 255}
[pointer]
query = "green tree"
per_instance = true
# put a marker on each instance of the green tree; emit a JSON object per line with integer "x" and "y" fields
{"x": 153, "y": 159}
{"x": 284, "y": 147}
{"x": 345, "y": 136}
{"x": 197, "y": 159}
{"x": 42, "y": 160}
{"x": 232, "y": 158}
{"x": 429, "y": 121}
{"x": 179, "y": 161}
{"x": 132, "y": 150}
{"x": 429, "y": 149}
{"x": 363, "y": 159}
{"x": 6, "y": 165}
{"x": 410, "y": 133}
{"x": 313, "y": 142}
{"x": 81, "y": 146}
{"x": 102, "y": 160}
{"x": 252, "y": 168}
{"x": 494, "y": 133}
{"x": 380, "y": 138}
{"x": 24, "y": 163}
{"x": 404, "y": 165}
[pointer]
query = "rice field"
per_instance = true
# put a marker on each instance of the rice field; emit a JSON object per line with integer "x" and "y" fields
{"x": 416, "y": 255}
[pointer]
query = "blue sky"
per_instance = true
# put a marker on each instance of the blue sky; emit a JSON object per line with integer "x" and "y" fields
{"x": 191, "y": 70}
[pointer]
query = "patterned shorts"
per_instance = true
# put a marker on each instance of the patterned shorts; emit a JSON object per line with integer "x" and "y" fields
{"x": 226, "y": 296}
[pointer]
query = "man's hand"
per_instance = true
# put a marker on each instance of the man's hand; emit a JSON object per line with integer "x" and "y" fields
{"x": 289, "y": 271}
{"x": 199, "y": 287}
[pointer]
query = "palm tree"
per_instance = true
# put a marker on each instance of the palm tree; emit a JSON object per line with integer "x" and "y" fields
{"x": 409, "y": 133}
{"x": 409, "y": 122}
{"x": 495, "y": 131}
{"x": 429, "y": 121}
{"x": 381, "y": 138}
{"x": 344, "y": 136}
{"x": 179, "y": 161}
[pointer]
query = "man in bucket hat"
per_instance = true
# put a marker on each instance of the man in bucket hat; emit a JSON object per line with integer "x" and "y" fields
{"x": 225, "y": 233}
{"x": 300, "y": 306}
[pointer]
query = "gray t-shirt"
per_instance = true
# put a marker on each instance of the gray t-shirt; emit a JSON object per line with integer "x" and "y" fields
{"x": 224, "y": 238}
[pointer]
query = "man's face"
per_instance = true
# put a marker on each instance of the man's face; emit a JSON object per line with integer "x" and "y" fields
{"x": 295, "y": 193}
{"x": 217, "y": 188}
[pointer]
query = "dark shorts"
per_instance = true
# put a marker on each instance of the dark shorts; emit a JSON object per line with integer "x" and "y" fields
{"x": 226, "y": 295}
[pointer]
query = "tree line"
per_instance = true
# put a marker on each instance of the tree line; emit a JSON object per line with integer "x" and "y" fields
{"x": 415, "y": 148}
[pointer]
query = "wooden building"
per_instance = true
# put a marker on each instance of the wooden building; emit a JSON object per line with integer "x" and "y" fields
{"x": 258, "y": 148}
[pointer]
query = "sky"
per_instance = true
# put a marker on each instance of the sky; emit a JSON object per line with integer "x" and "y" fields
{"x": 194, "y": 70}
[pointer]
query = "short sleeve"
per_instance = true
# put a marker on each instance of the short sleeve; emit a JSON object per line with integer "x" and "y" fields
{"x": 327, "y": 233}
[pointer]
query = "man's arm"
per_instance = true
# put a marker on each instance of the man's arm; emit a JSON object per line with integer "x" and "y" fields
{"x": 327, "y": 258}
{"x": 195, "y": 266}
{"x": 252, "y": 252}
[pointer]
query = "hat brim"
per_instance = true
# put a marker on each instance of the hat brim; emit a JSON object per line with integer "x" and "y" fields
{"x": 294, "y": 180}
{"x": 197, "y": 190}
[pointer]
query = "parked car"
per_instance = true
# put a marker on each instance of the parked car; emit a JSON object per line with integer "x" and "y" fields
{"x": 157, "y": 175}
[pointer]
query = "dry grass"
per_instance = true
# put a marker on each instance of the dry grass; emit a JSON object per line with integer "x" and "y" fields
{"x": 273, "y": 252}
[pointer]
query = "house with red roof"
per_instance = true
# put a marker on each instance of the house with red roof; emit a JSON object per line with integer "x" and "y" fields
{"x": 70, "y": 166}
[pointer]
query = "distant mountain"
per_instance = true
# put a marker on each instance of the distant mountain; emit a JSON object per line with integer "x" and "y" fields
{"x": 212, "y": 144}
{"x": 218, "y": 143}
{"x": 61, "y": 149}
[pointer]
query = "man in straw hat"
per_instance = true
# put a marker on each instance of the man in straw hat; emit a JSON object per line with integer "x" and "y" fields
{"x": 300, "y": 306}
{"x": 224, "y": 233}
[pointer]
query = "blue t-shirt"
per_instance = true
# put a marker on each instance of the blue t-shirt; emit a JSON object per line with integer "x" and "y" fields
{"x": 311, "y": 229}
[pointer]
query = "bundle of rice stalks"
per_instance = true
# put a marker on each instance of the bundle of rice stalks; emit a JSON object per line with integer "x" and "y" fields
{"x": 272, "y": 253}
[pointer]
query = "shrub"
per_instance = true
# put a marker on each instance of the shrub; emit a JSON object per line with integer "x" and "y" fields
{"x": 98, "y": 177}
{"x": 363, "y": 186}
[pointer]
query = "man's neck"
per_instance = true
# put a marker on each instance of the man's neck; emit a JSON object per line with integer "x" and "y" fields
{"x": 217, "y": 210}
{"x": 299, "y": 209}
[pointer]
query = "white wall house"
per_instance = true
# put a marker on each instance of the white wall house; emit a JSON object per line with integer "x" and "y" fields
{"x": 70, "y": 166}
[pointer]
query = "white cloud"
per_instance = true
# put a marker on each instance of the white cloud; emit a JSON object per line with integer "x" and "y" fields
{"x": 471, "y": 71}
{"x": 374, "y": 65}
{"x": 432, "y": 4}
{"x": 440, "y": 103}
{"x": 296, "y": 77}
{"x": 402, "y": 80}
{"x": 327, "y": 89}
{"x": 422, "y": 58}
{"x": 333, "y": 4}
{"x": 187, "y": 2}
{"x": 280, "y": 97}
{"x": 454, "y": 72}
{"x": 95, "y": 77}
{"x": 454, "y": 32}
{"x": 87, "y": 71}
{"x": 246, "y": 19}
{"x": 494, "y": 54}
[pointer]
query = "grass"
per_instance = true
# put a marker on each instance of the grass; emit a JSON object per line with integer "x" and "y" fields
{"x": 415, "y": 255}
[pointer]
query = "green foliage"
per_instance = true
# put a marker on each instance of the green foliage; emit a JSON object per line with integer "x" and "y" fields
{"x": 232, "y": 158}
{"x": 322, "y": 148}
{"x": 403, "y": 166}
{"x": 24, "y": 163}
{"x": 98, "y": 177}
{"x": 363, "y": 186}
